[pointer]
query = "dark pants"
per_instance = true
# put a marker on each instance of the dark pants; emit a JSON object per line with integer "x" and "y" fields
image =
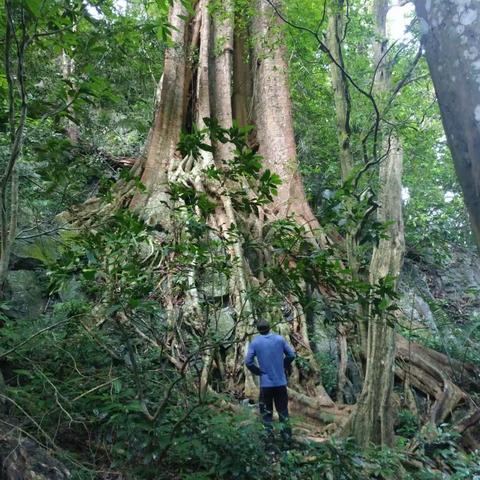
{"x": 279, "y": 396}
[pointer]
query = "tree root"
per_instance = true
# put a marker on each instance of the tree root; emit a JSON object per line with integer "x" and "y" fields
{"x": 441, "y": 379}
{"x": 435, "y": 375}
{"x": 321, "y": 409}
{"x": 469, "y": 429}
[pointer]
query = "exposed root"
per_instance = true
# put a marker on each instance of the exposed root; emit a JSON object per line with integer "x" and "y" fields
{"x": 332, "y": 417}
{"x": 469, "y": 429}
{"x": 436, "y": 376}
{"x": 443, "y": 380}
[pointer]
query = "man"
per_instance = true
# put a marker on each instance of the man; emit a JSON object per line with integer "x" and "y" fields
{"x": 274, "y": 356}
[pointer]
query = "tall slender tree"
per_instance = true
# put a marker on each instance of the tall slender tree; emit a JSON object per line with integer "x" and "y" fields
{"x": 373, "y": 419}
{"x": 343, "y": 110}
{"x": 16, "y": 42}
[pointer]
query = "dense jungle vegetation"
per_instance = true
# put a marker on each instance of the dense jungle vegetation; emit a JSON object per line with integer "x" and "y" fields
{"x": 173, "y": 171}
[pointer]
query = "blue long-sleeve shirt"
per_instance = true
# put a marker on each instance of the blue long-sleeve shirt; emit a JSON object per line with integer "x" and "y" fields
{"x": 273, "y": 353}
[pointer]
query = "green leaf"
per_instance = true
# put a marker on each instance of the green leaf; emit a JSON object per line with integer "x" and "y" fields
{"x": 34, "y": 6}
{"x": 384, "y": 304}
{"x": 89, "y": 273}
{"x": 117, "y": 385}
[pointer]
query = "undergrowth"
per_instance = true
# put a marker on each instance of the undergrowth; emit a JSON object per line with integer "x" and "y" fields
{"x": 78, "y": 391}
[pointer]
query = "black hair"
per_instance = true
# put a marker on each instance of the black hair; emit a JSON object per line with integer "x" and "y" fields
{"x": 263, "y": 326}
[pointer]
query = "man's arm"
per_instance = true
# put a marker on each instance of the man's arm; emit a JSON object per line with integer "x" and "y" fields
{"x": 289, "y": 357}
{"x": 289, "y": 352}
{"x": 250, "y": 360}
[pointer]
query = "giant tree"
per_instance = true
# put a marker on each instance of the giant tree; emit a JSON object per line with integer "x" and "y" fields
{"x": 372, "y": 420}
{"x": 230, "y": 68}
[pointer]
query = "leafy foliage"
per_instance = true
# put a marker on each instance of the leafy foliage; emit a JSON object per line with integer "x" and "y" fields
{"x": 94, "y": 374}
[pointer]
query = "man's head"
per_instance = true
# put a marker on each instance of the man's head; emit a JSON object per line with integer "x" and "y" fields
{"x": 263, "y": 327}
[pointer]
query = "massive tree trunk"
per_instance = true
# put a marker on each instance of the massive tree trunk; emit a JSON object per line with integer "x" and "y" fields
{"x": 451, "y": 35}
{"x": 372, "y": 422}
{"x": 210, "y": 71}
{"x": 222, "y": 83}
{"x": 273, "y": 119}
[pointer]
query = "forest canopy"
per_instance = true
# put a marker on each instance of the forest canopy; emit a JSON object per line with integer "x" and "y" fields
{"x": 177, "y": 174}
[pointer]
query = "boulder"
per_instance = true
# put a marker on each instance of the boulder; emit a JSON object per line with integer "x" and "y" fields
{"x": 23, "y": 459}
{"x": 224, "y": 324}
{"x": 416, "y": 309}
{"x": 460, "y": 277}
{"x": 214, "y": 284}
{"x": 43, "y": 249}
{"x": 71, "y": 289}
{"x": 25, "y": 294}
{"x": 451, "y": 288}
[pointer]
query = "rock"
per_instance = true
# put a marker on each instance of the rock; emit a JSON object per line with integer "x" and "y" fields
{"x": 416, "y": 309}
{"x": 451, "y": 287}
{"x": 25, "y": 295}
{"x": 71, "y": 289}
{"x": 44, "y": 249}
{"x": 23, "y": 459}
{"x": 461, "y": 275}
{"x": 224, "y": 325}
{"x": 214, "y": 285}
{"x": 416, "y": 279}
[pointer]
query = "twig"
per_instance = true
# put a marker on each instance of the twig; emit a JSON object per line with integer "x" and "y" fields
{"x": 47, "y": 232}
{"x": 94, "y": 389}
{"x": 36, "y": 334}
{"x": 24, "y": 412}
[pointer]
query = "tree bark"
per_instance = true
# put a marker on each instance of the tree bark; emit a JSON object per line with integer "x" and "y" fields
{"x": 9, "y": 177}
{"x": 451, "y": 35}
{"x": 335, "y": 34}
{"x": 168, "y": 123}
{"x": 273, "y": 119}
{"x": 68, "y": 68}
{"x": 372, "y": 422}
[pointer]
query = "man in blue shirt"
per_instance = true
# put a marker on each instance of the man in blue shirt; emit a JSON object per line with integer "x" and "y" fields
{"x": 274, "y": 356}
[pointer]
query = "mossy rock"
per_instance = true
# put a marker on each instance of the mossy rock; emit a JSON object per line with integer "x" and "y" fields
{"x": 23, "y": 459}
{"x": 224, "y": 324}
{"x": 44, "y": 249}
{"x": 71, "y": 289}
{"x": 25, "y": 294}
{"x": 214, "y": 285}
